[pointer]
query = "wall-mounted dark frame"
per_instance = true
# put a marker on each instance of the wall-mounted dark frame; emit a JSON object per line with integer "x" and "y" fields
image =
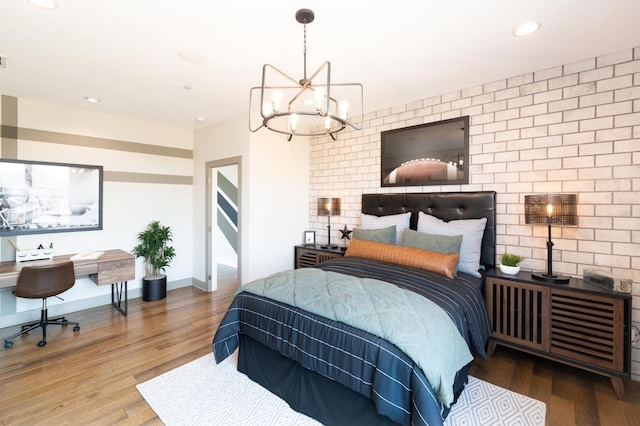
{"x": 427, "y": 154}
{"x": 39, "y": 197}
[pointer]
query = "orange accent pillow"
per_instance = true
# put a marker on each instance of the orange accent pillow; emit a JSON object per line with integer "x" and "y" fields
{"x": 442, "y": 263}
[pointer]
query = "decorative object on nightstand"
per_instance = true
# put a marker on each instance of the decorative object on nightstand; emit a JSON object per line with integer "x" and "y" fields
{"x": 607, "y": 280}
{"x": 552, "y": 210}
{"x": 309, "y": 238}
{"x": 345, "y": 233}
{"x": 329, "y": 207}
{"x": 510, "y": 263}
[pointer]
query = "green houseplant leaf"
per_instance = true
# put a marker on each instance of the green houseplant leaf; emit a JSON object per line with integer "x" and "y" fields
{"x": 154, "y": 249}
{"x": 508, "y": 259}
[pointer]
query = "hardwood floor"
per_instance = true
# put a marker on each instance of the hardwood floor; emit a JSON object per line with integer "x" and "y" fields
{"x": 89, "y": 377}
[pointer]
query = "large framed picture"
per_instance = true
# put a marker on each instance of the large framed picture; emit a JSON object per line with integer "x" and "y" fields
{"x": 427, "y": 154}
{"x": 41, "y": 197}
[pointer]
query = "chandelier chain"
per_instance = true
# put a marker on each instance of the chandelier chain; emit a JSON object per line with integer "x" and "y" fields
{"x": 305, "y": 54}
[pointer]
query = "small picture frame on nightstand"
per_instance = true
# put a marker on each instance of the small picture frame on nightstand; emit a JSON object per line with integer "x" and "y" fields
{"x": 309, "y": 238}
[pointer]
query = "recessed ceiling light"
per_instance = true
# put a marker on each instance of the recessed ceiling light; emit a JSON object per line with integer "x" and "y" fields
{"x": 200, "y": 119}
{"x": 526, "y": 29}
{"x": 45, "y": 4}
{"x": 191, "y": 56}
{"x": 91, "y": 99}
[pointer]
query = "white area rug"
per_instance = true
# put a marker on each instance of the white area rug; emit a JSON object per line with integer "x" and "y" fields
{"x": 203, "y": 393}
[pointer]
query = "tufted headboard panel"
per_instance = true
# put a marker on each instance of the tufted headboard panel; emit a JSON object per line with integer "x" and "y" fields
{"x": 443, "y": 205}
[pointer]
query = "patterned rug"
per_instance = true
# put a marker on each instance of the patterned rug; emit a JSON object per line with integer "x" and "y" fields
{"x": 204, "y": 393}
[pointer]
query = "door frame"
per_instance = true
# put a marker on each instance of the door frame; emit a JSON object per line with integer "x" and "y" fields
{"x": 210, "y": 167}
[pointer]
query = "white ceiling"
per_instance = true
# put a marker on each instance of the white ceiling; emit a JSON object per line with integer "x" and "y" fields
{"x": 125, "y": 52}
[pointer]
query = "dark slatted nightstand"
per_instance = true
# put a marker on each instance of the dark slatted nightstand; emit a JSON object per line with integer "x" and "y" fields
{"x": 311, "y": 254}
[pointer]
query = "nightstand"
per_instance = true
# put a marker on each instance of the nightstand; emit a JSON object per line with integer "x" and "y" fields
{"x": 311, "y": 254}
{"x": 577, "y": 323}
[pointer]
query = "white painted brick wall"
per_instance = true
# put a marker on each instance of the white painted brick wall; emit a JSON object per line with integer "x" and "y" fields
{"x": 573, "y": 128}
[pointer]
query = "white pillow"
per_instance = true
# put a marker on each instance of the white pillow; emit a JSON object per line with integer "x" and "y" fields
{"x": 401, "y": 221}
{"x": 471, "y": 230}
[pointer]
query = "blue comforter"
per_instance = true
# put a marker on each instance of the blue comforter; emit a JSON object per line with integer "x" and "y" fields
{"x": 359, "y": 360}
{"x": 413, "y": 323}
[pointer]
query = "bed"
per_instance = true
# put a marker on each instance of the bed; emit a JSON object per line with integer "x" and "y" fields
{"x": 341, "y": 370}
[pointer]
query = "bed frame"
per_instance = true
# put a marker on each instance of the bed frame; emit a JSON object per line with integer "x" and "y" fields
{"x": 316, "y": 396}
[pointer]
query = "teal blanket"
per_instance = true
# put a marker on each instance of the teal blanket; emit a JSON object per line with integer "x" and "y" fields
{"x": 413, "y": 323}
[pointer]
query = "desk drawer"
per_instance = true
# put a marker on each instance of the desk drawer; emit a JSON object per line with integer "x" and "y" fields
{"x": 115, "y": 271}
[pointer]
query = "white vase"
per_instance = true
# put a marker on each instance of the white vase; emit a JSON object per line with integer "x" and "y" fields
{"x": 510, "y": 270}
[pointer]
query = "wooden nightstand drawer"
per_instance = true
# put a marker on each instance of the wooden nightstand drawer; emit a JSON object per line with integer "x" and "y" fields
{"x": 588, "y": 328}
{"x": 306, "y": 256}
{"x": 518, "y": 312}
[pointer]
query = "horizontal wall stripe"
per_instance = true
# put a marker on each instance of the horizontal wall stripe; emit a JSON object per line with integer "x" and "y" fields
{"x": 146, "y": 178}
{"x": 9, "y": 110}
{"x": 92, "y": 142}
{"x": 9, "y": 118}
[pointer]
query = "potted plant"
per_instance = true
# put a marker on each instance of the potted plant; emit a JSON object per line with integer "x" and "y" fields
{"x": 157, "y": 256}
{"x": 510, "y": 263}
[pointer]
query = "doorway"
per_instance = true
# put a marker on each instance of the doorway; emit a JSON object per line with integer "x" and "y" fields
{"x": 223, "y": 222}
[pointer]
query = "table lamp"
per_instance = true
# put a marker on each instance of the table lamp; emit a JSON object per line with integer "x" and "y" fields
{"x": 329, "y": 207}
{"x": 552, "y": 210}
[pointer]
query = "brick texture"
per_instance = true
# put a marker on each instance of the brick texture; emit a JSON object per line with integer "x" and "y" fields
{"x": 574, "y": 128}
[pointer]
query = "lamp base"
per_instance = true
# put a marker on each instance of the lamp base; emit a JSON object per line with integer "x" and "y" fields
{"x": 556, "y": 279}
{"x": 329, "y": 247}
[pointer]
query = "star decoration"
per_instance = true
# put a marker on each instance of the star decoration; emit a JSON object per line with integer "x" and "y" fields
{"x": 346, "y": 233}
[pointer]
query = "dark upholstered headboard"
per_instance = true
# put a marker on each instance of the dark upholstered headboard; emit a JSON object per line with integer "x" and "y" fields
{"x": 443, "y": 205}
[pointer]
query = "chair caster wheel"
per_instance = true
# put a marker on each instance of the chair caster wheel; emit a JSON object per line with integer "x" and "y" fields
{"x": 8, "y": 344}
{"x": 76, "y": 328}
{"x": 41, "y": 343}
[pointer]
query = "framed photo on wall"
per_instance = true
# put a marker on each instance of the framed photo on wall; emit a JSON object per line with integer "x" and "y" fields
{"x": 309, "y": 238}
{"x": 427, "y": 154}
{"x": 39, "y": 197}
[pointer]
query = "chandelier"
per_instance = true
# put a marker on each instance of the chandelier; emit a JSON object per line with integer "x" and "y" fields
{"x": 311, "y": 106}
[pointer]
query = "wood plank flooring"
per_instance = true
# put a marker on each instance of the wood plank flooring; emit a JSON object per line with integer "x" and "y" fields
{"x": 89, "y": 377}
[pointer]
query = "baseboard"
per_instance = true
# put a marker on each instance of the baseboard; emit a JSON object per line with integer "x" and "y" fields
{"x": 79, "y": 305}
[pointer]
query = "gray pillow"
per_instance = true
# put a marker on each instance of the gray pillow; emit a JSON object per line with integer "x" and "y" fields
{"x": 434, "y": 242}
{"x": 382, "y": 235}
{"x": 471, "y": 230}
{"x": 401, "y": 222}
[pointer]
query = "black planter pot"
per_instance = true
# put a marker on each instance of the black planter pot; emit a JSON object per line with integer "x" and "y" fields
{"x": 154, "y": 289}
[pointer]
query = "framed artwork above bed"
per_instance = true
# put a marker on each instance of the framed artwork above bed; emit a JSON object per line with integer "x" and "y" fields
{"x": 428, "y": 154}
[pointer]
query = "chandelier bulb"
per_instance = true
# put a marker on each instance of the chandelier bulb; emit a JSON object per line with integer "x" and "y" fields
{"x": 320, "y": 99}
{"x": 277, "y": 101}
{"x": 267, "y": 109}
{"x": 342, "y": 109}
{"x": 293, "y": 123}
